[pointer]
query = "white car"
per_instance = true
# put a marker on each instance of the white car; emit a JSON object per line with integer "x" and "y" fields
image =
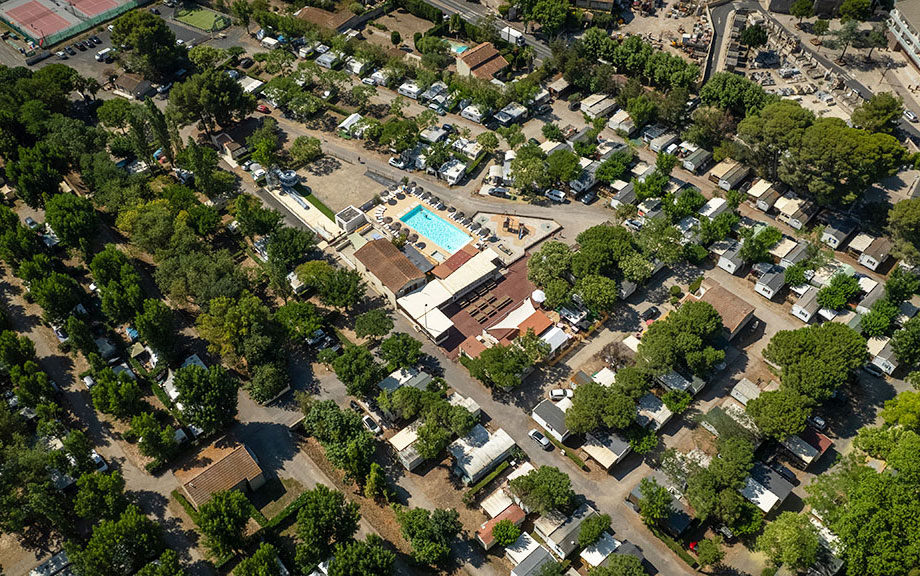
{"x": 540, "y": 439}
{"x": 180, "y": 42}
{"x": 164, "y": 88}
{"x": 89, "y": 382}
{"x": 397, "y": 163}
{"x": 100, "y": 463}
{"x": 910, "y": 116}
{"x": 369, "y": 81}
{"x": 258, "y": 174}
{"x": 560, "y": 393}
{"x": 31, "y": 223}
{"x": 371, "y": 425}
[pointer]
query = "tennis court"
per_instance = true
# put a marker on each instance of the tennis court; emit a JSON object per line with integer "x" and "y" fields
{"x": 37, "y": 19}
{"x": 93, "y": 7}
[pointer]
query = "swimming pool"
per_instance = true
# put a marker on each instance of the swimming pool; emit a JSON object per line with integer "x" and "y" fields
{"x": 457, "y": 47}
{"x": 428, "y": 224}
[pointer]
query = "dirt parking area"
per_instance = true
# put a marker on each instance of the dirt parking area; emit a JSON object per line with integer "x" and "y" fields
{"x": 339, "y": 183}
{"x": 378, "y": 31}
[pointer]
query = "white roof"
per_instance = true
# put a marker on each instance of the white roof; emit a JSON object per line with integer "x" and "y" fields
{"x": 479, "y": 449}
{"x": 350, "y": 121}
{"x": 471, "y": 272}
{"x": 605, "y": 377}
{"x": 861, "y": 242}
{"x": 802, "y": 449}
{"x": 405, "y": 437}
{"x": 745, "y": 391}
{"x": 496, "y": 502}
{"x": 788, "y": 204}
{"x": 632, "y": 343}
{"x": 555, "y": 337}
{"x": 652, "y": 409}
{"x": 250, "y": 84}
{"x": 521, "y": 549}
{"x": 876, "y": 345}
{"x": 712, "y": 206}
{"x": 596, "y": 553}
{"x": 760, "y": 188}
{"x": 516, "y": 316}
{"x": 605, "y": 448}
{"x": 758, "y": 495}
{"x": 783, "y": 247}
{"x": 522, "y": 470}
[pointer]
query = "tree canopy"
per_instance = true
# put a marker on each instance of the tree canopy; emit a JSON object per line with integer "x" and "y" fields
{"x": 543, "y": 489}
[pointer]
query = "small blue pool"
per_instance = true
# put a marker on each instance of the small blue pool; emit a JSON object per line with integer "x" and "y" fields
{"x": 428, "y": 224}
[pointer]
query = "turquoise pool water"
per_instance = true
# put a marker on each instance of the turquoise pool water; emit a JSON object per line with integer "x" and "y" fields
{"x": 458, "y": 48}
{"x": 428, "y": 224}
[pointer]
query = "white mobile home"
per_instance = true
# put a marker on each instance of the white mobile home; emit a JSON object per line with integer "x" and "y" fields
{"x": 409, "y": 90}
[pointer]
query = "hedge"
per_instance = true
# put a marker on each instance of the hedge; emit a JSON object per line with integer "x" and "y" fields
{"x": 476, "y": 488}
{"x": 675, "y": 546}
{"x": 569, "y": 453}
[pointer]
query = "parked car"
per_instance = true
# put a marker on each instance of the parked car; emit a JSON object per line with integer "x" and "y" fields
{"x": 154, "y": 10}
{"x": 911, "y": 117}
{"x": 560, "y": 393}
{"x": 101, "y": 465}
{"x": 164, "y": 88}
{"x": 316, "y": 337}
{"x": 330, "y": 343}
{"x": 818, "y": 423}
{"x": 355, "y": 406}
{"x": 371, "y": 425}
{"x": 397, "y": 162}
{"x": 61, "y": 55}
{"x": 31, "y": 223}
{"x": 70, "y": 51}
{"x": 264, "y": 109}
{"x": 540, "y": 439}
{"x": 542, "y": 109}
{"x": 60, "y": 333}
{"x": 873, "y": 370}
{"x": 89, "y": 382}
{"x": 574, "y": 105}
{"x": 180, "y": 42}
{"x": 786, "y": 473}
{"x": 651, "y": 313}
{"x": 246, "y": 62}
{"x": 588, "y": 198}
{"x": 95, "y": 39}
{"x": 79, "y": 46}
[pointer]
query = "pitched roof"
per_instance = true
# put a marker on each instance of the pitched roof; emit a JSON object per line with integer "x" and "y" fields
{"x": 512, "y": 513}
{"x": 458, "y": 259}
{"x": 484, "y": 61}
{"x": 733, "y": 310}
{"x": 388, "y": 264}
{"x": 227, "y": 466}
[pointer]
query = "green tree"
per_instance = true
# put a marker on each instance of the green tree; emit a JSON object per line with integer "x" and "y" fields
{"x": 802, "y": 9}
{"x": 838, "y": 292}
{"x": 677, "y": 401}
{"x": 552, "y": 261}
{"x": 598, "y": 293}
{"x": 114, "y": 113}
{"x": 166, "y": 565}
{"x": 100, "y": 496}
{"x": 264, "y": 562}
{"x": 780, "y": 413}
{"x": 488, "y": 140}
{"x": 429, "y": 532}
{"x": 754, "y": 37}
{"x": 550, "y": 15}
{"x": 37, "y": 172}
{"x": 299, "y": 319}
{"x": 73, "y": 220}
{"x": 222, "y": 520}
{"x": 156, "y": 325}
{"x": 368, "y": 558}
{"x": 357, "y": 369}
{"x": 903, "y": 410}
{"x": 620, "y": 565}
{"x": 879, "y": 321}
{"x": 289, "y": 247}
{"x": 790, "y": 540}
{"x": 904, "y": 226}
{"x": 655, "y": 503}
{"x": 562, "y": 166}
{"x": 401, "y": 351}
{"x": 325, "y": 519}
{"x": 592, "y": 529}
{"x": 880, "y": 113}
{"x": 901, "y": 285}
{"x": 642, "y": 110}
{"x": 57, "y": 294}
{"x": 373, "y": 324}
{"x": 154, "y": 439}
{"x": 32, "y": 386}
{"x": 81, "y": 338}
{"x": 734, "y": 93}
{"x": 505, "y": 533}
{"x": 268, "y": 380}
{"x": 306, "y": 149}
{"x": 116, "y": 394}
{"x": 150, "y": 44}
{"x": 342, "y": 288}
{"x": 816, "y": 360}
{"x": 614, "y": 167}
{"x": 208, "y": 396}
{"x": 685, "y": 338}
{"x": 242, "y": 10}
{"x": 858, "y": 10}
{"x": 906, "y": 342}
{"x": 544, "y": 489}
{"x": 119, "y": 547}
{"x": 709, "y": 551}
{"x": 205, "y": 57}
{"x": 376, "y": 485}
{"x": 210, "y": 97}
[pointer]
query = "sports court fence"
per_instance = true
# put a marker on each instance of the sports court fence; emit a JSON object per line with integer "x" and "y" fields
{"x": 84, "y": 24}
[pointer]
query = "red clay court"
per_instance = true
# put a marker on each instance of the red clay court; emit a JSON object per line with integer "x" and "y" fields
{"x": 38, "y": 18}
{"x": 94, "y": 7}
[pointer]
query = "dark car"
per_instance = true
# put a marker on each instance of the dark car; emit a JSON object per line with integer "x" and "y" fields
{"x": 542, "y": 109}
{"x": 79, "y": 46}
{"x": 246, "y": 62}
{"x": 575, "y": 105}
{"x": 651, "y": 313}
{"x": 786, "y": 473}
{"x": 154, "y": 11}
{"x": 95, "y": 39}
{"x": 355, "y": 406}
{"x": 88, "y": 43}
{"x": 70, "y": 51}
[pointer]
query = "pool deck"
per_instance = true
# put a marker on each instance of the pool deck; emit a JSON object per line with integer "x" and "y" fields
{"x": 511, "y": 235}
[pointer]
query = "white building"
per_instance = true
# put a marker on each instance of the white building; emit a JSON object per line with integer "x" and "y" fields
{"x": 477, "y": 453}
{"x": 453, "y": 171}
{"x": 806, "y": 306}
{"x": 551, "y": 417}
{"x": 881, "y": 354}
{"x": 409, "y": 89}
{"x": 713, "y": 207}
{"x": 903, "y": 23}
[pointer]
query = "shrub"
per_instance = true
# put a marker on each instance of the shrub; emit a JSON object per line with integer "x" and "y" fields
{"x": 505, "y": 533}
{"x": 395, "y": 37}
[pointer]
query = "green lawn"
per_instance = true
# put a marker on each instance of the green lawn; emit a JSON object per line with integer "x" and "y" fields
{"x": 202, "y": 19}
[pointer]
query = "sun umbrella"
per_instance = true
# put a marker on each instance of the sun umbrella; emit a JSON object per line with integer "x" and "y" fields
{"x": 475, "y": 226}
{"x": 451, "y": 209}
{"x": 412, "y": 237}
{"x": 401, "y": 196}
{"x": 420, "y": 245}
{"x": 391, "y": 202}
{"x": 387, "y": 219}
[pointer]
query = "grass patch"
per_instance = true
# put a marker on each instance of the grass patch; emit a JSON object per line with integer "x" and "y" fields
{"x": 675, "y": 546}
{"x": 317, "y": 203}
{"x": 477, "y": 487}
{"x": 186, "y": 505}
{"x": 570, "y": 454}
{"x": 202, "y": 19}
